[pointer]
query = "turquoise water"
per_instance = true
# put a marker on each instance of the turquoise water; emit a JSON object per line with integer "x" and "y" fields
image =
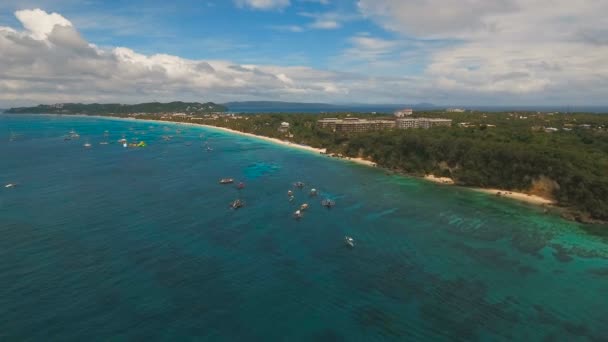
{"x": 109, "y": 243}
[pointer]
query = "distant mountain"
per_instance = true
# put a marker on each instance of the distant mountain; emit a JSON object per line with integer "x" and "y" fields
{"x": 114, "y": 108}
{"x": 303, "y": 107}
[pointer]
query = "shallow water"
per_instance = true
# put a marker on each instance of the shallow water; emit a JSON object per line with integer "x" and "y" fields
{"x": 124, "y": 244}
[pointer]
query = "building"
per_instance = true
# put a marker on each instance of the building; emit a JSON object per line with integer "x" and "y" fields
{"x": 284, "y": 127}
{"x": 355, "y": 125}
{"x": 406, "y": 123}
{"x": 455, "y": 110}
{"x": 404, "y": 112}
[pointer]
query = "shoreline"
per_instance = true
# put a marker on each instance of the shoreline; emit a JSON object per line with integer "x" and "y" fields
{"x": 514, "y": 195}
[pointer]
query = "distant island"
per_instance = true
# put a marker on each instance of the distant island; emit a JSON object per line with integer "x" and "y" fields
{"x": 555, "y": 157}
{"x": 112, "y": 108}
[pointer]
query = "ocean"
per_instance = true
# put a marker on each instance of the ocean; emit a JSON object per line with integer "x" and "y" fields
{"x": 113, "y": 243}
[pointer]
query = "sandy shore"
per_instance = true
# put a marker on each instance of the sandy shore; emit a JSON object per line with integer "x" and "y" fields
{"x": 320, "y": 151}
{"x": 440, "y": 180}
{"x": 519, "y": 196}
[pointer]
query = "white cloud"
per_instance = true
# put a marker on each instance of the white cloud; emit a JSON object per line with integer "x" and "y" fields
{"x": 55, "y": 64}
{"x": 39, "y": 23}
{"x": 263, "y": 4}
{"x": 509, "y": 49}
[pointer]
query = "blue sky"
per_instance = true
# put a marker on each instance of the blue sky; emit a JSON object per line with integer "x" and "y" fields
{"x": 406, "y": 51}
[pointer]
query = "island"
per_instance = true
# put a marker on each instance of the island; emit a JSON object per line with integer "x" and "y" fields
{"x": 558, "y": 160}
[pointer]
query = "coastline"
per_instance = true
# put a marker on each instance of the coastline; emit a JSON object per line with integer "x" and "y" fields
{"x": 518, "y": 196}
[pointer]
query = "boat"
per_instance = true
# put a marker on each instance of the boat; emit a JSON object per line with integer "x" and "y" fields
{"x": 299, "y": 185}
{"x": 298, "y": 214}
{"x": 327, "y": 203}
{"x": 226, "y": 181}
{"x": 241, "y": 186}
{"x": 304, "y": 206}
{"x": 236, "y": 204}
{"x": 349, "y": 241}
{"x": 313, "y": 192}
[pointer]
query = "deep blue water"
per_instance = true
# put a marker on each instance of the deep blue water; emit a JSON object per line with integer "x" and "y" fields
{"x": 113, "y": 243}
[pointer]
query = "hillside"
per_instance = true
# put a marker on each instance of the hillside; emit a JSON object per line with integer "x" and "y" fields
{"x": 96, "y": 108}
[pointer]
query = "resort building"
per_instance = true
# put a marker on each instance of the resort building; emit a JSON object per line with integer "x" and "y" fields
{"x": 284, "y": 127}
{"x": 406, "y": 123}
{"x": 404, "y": 112}
{"x": 355, "y": 125}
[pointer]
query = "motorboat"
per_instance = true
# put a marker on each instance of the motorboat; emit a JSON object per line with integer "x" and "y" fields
{"x": 298, "y": 214}
{"x": 327, "y": 203}
{"x": 304, "y": 206}
{"x": 226, "y": 181}
{"x": 236, "y": 204}
{"x": 313, "y": 192}
{"x": 349, "y": 241}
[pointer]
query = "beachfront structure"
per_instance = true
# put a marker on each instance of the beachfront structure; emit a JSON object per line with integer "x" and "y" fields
{"x": 405, "y": 123}
{"x": 284, "y": 127}
{"x": 355, "y": 125}
{"x": 404, "y": 112}
{"x": 455, "y": 110}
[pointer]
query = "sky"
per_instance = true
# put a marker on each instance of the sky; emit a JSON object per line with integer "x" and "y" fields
{"x": 445, "y": 52}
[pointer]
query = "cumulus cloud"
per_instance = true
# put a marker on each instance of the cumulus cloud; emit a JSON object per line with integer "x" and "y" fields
{"x": 263, "y": 4}
{"x": 49, "y": 61}
{"x": 508, "y": 48}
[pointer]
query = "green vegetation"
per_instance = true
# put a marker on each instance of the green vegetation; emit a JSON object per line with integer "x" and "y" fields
{"x": 510, "y": 151}
{"x": 105, "y": 109}
{"x": 517, "y": 154}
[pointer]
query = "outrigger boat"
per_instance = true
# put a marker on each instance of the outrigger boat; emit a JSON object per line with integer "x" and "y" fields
{"x": 327, "y": 203}
{"x": 226, "y": 181}
{"x": 236, "y": 204}
{"x": 349, "y": 241}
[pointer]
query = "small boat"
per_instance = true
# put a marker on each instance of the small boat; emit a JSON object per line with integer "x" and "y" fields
{"x": 299, "y": 185}
{"x": 327, "y": 203}
{"x": 226, "y": 181}
{"x": 10, "y": 185}
{"x": 298, "y": 215}
{"x": 304, "y": 206}
{"x": 349, "y": 241}
{"x": 313, "y": 192}
{"x": 236, "y": 204}
{"x": 240, "y": 186}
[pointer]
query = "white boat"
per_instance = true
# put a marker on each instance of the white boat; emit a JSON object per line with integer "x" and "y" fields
{"x": 349, "y": 241}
